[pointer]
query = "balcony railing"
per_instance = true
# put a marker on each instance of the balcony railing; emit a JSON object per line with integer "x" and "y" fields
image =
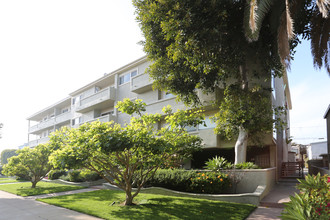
{"x": 105, "y": 118}
{"x": 141, "y": 83}
{"x": 39, "y": 141}
{"x": 51, "y": 122}
{"x": 103, "y": 98}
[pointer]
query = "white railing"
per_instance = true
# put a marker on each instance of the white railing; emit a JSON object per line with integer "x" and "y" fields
{"x": 141, "y": 83}
{"x": 105, "y": 118}
{"x": 103, "y": 95}
{"x": 38, "y": 141}
{"x": 51, "y": 122}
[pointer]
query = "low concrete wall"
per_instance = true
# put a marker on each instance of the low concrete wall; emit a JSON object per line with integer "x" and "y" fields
{"x": 253, "y": 178}
{"x": 314, "y": 170}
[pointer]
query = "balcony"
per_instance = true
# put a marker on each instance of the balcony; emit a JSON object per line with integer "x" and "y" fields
{"x": 38, "y": 141}
{"x": 141, "y": 83}
{"x": 156, "y": 107}
{"x": 105, "y": 118}
{"x": 64, "y": 117}
{"x": 99, "y": 100}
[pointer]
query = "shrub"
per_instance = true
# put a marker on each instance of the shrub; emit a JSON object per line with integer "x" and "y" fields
{"x": 313, "y": 202}
{"x": 55, "y": 174}
{"x": 217, "y": 164}
{"x": 88, "y": 175}
{"x": 176, "y": 179}
{"x": 247, "y": 165}
{"x": 74, "y": 176}
{"x": 210, "y": 182}
{"x": 190, "y": 181}
{"x": 220, "y": 163}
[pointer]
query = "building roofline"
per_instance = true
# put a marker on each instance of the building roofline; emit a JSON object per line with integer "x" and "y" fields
{"x": 49, "y": 107}
{"x": 121, "y": 69}
{"x": 327, "y": 112}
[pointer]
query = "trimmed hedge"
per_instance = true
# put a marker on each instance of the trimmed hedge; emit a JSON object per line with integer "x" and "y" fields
{"x": 190, "y": 181}
{"x": 55, "y": 174}
{"x": 80, "y": 176}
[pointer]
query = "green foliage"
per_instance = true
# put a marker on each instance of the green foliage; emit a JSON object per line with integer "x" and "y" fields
{"x": 118, "y": 153}
{"x": 30, "y": 164}
{"x": 250, "y": 109}
{"x": 175, "y": 179}
{"x": 55, "y": 174}
{"x": 6, "y": 154}
{"x": 247, "y": 165}
{"x": 220, "y": 163}
{"x": 217, "y": 164}
{"x": 80, "y": 176}
{"x": 210, "y": 182}
{"x": 313, "y": 201}
{"x": 190, "y": 181}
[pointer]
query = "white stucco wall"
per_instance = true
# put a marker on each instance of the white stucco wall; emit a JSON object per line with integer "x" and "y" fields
{"x": 315, "y": 149}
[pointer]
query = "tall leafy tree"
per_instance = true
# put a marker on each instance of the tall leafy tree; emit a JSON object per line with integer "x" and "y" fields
{"x": 234, "y": 46}
{"x": 31, "y": 164}
{"x": 130, "y": 155}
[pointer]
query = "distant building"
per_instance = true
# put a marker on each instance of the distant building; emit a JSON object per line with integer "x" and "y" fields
{"x": 316, "y": 149}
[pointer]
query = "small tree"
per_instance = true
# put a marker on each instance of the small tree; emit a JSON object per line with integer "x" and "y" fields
{"x": 6, "y": 154}
{"x": 31, "y": 164}
{"x": 130, "y": 155}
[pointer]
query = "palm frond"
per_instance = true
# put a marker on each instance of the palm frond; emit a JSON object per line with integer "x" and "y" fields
{"x": 324, "y": 7}
{"x": 320, "y": 40}
{"x": 289, "y": 21}
{"x": 283, "y": 40}
{"x": 254, "y": 14}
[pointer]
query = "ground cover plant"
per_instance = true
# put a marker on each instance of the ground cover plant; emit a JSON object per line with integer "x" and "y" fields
{"x": 24, "y": 189}
{"x": 107, "y": 204}
{"x": 313, "y": 201}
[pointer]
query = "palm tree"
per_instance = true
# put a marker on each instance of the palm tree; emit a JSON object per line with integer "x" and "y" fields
{"x": 318, "y": 31}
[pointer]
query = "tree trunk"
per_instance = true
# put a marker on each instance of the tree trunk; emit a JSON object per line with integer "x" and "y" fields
{"x": 34, "y": 184}
{"x": 129, "y": 197}
{"x": 241, "y": 146}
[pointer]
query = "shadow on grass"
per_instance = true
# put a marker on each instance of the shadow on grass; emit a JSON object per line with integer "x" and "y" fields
{"x": 153, "y": 206}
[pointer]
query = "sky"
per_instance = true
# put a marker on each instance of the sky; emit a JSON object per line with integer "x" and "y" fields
{"x": 51, "y": 48}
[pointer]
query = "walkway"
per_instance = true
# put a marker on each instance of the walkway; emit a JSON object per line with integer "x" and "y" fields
{"x": 17, "y": 208}
{"x": 272, "y": 205}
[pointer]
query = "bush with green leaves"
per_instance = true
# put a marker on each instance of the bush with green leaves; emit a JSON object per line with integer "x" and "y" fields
{"x": 55, "y": 174}
{"x": 210, "y": 182}
{"x": 190, "y": 181}
{"x": 220, "y": 163}
{"x": 313, "y": 201}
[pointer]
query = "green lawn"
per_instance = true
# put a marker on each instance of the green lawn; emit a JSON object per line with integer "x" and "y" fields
{"x": 24, "y": 189}
{"x": 107, "y": 204}
{"x": 8, "y": 180}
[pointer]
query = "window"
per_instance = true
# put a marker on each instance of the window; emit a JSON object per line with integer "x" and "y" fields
{"x": 168, "y": 95}
{"x": 97, "y": 89}
{"x": 65, "y": 110}
{"x": 127, "y": 77}
{"x": 77, "y": 121}
{"x": 108, "y": 113}
{"x": 73, "y": 101}
{"x": 208, "y": 122}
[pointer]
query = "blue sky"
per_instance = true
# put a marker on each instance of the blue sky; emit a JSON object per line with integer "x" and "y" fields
{"x": 51, "y": 48}
{"x": 310, "y": 94}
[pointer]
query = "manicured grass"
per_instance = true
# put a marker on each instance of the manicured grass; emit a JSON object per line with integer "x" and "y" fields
{"x": 107, "y": 204}
{"x": 9, "y": 180}
{"x": 24, "y": 189}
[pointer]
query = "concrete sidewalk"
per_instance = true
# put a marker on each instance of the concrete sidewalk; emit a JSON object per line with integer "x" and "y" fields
{"x": 272, "y": 205}
{"x": 18, "y": 208}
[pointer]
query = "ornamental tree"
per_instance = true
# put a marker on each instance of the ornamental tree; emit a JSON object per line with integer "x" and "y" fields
{"x": 31, "y": 164}
{"x": 6, "y": 154}
{"x": 220, "y": 45}
{"x": 128, "y": 155}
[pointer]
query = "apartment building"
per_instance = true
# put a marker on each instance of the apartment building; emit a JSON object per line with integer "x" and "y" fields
{"x": 97, "y": 101}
